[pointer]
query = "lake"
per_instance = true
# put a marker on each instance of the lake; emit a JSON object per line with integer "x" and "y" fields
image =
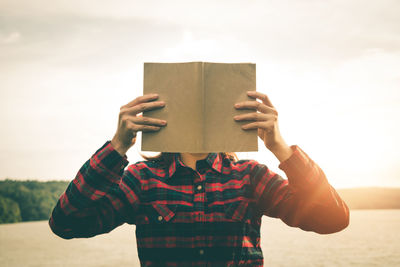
{"x": 372, "y": 239}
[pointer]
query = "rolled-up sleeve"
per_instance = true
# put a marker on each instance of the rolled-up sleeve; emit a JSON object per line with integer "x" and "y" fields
{"x": 305, "y": 199}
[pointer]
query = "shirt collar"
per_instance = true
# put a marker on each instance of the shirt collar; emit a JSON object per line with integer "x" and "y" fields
{"x": 215, "y": 161}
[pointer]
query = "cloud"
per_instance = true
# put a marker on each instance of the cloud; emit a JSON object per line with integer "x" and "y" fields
{"x": 304, "y": 30}
{"x": 76, "y": 41}
{"x": 11, "y": 38}
{"x": 62, "y": 60}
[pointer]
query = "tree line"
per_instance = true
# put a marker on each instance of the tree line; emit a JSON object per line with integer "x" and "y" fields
{"x": 28, "y": 200}
{"x": 32, "y": 200}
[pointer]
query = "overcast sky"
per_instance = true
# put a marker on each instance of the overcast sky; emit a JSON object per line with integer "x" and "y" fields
{"x": 331, "y": 68}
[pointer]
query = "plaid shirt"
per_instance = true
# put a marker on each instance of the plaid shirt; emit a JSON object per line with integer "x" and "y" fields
{"x": 210, "y": 216}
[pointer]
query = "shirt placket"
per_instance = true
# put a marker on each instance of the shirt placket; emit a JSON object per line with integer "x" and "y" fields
{"x": 199, "y": 204}
{"x": 199, "y": 195}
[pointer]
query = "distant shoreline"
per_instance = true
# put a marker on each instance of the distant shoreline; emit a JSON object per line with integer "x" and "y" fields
{"x": 32, "y": 200}
{"x": 371, "y": 197}
{"x": 45, "y": 221}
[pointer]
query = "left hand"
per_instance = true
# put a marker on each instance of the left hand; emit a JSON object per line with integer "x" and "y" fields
{"x": 265, "y": 119}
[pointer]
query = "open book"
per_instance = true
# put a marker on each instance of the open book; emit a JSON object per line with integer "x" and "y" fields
{"x": 199, "y": 108}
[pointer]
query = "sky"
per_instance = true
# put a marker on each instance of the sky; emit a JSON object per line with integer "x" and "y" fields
{"x": 331, "y": 69}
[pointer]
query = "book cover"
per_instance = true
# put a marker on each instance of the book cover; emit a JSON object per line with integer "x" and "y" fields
{"x": 200, "y": 98}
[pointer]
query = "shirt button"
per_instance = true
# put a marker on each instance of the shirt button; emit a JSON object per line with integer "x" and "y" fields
{"x": 160, "y": 218}
{"x": 201, "y": 252}
{"x": 199, "y": 187}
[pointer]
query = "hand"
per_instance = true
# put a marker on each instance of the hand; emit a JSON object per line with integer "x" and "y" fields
{"x": 265, "y": 119}
{"x": 130, "y": 122}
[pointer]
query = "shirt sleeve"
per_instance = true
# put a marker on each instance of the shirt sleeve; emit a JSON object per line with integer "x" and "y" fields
{"x": 101, "y": 197}
{"x": 305, "y": 200}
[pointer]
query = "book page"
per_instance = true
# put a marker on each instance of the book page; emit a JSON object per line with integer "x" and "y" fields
{"x": 180, "y": 86}
{"x": 225, "y": 85}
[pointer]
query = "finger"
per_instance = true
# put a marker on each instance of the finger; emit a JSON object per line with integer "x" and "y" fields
{"x": 141, "y": 99}
{"x": 144, "y": 107}
{"x": 144, "y": 128}
{"x": 148, "y": 121}
{"x": 264, "y": 98}
{"x": 261, "y": 107}
{"x": 258, "y": 125}
{"x": 256, "y": 116}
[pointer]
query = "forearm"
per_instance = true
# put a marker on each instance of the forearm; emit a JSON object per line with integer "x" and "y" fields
{"x": 281, "y": 150}
{"x": 100, "y": 217}
{"x": 319, "y": 207}
{"x": 119, "y": 147}
{"x": 86, "y": 207}
{"x": 305, "y": 200}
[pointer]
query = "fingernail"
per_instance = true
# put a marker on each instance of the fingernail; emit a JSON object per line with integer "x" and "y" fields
{"x": 164, "y": 122}
{"x": 235, "y": 117}
{"x": 154, "y": 95}
{"x": 237, "y": 105}
{"x": 250, "y": 92}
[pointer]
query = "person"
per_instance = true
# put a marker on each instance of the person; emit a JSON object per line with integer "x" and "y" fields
{"x": 197, "y": 209}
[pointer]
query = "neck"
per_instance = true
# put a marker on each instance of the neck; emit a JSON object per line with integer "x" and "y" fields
{"x": 190, "y": 159}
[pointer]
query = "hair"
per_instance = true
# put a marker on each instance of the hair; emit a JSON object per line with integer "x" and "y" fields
{"x": 168, "y": 157}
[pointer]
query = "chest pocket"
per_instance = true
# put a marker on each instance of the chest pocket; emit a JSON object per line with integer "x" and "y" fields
{"x": 242, "y": 208}
{"x": 156, "y": 213}
{"x": 239, "y": 210}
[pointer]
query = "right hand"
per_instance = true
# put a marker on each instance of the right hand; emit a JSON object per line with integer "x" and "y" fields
{"x": 130, "y": 122}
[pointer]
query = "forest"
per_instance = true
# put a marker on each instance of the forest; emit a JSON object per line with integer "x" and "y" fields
{"x": 28, "y": 200}
{"x": 32, "y": 200}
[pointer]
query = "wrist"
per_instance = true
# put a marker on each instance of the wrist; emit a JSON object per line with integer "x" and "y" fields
{"x": 119, "y": 147}
{"x": 281, "y": 150}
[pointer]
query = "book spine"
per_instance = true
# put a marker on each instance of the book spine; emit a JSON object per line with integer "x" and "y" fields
{"x": 203, "y": 143}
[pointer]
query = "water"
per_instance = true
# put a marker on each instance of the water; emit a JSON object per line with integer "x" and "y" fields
{"x": 372, "y": 239}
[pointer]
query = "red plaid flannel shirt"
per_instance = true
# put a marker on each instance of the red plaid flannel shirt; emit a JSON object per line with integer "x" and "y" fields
{"x": 210, "y": 216}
